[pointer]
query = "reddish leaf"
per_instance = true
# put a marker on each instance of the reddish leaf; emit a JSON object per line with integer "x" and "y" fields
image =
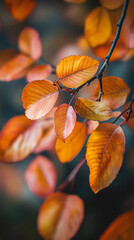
{"x": 6, "y": 55}
{"x": 39, "y": 98}
{"x": 105, "y": 149}
{"x": 15, "y": 67}
{"x": 92, "y": 125}
{"x": 122, "y": 228}
{"x": 112, "y": 4}
{"x": 73, "y": 71}
{"x": 64, "y": 121}
{"x": 130, "y": 122}
{"x": 93, "y": 110}
{"x": 39, "y": 72}
{"x": 60, "y": 216}
{"x": 18, "y": 138}
{"x": 41, "y": 176}
{"x": 29, "y": 43}
{"x": 75, "y": 1}
{"x": 66, "y": 151}
{"x": 115, "y": 92}
{"x": 97, "y": 27}
{"x": 20, "y": 9}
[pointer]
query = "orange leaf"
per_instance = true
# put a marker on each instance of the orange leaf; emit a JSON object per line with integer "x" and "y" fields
{"x": 41, "y": 176}
{"x": 130, "y": 122}
{"x": 92, "y": 125}
{"x": 39, "y": 72}
{"x": 29, "y": 43}
{"x": 105, "y": 149}
{"x": 18, "y": 138}
{"x": 93, "y": 110}
{"x": 15, "y": 68}
{"x": 60, "y": 216}
{"x": 75, "y": 1}
{"x": 97, "y": 27}
{"x": 73, "y": 71}
{"x": 112, "y": 4}
{"x": 38, "y": 98}
{"x": 122, "y": 228}
{"x": 66, "y": 151}
{"x": 115, "y": 92}
{"x": 64, "y": 121}
{"x": 7, "y": 55}
{"x": 20, "y": 9}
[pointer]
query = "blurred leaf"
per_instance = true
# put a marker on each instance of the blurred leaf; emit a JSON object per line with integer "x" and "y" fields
{"x": 39, "y": 72}
{"x": 130, "y": 122}
{"x": 38, "y": 98}
{"x": 64, "y": 121}
{"x": 115, "y": 91}
{"x": 73, "y": 71}
{"x": 75, "y": 1}
{"x": 29, "y": 43}
{"x": 105, "y": 149}
{"x": 41, "y": 176}
{"x": 97, "y": 27}
{"x": 122, "y": 228}
{"x": 92, "y": 125}
{"x": 20, "y": 9}
{"x": 60, "y": 216}
{"x": 73, "y": 144}
{"x": 112, "y": 4}
{"x": 93, "y": 110}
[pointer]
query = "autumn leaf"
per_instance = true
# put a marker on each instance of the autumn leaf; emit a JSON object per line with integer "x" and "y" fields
{"x": 75, "y": 1}
{"x": 93, "y": 110}
{"x": 104, "y": 154}
{"x": 115, "y": 92}
{"x": 39, "y": 72}
{"x": 64, "y": 121}
{"x": 29, "y": 43}
{"x": 60, "y": 216}
{"x": 41, "y": 176}
{"x": 20, "y": 9}
{"x": 73, "y": 144}
{"x": 122, "y": 228}
{"x": 130, "y": 122}
{"x": 18, "y": 138}
{"x": 38, "y": 98}
{"x": 6, "y": 55}
{"x": 91, "y": 126}
{"x": 112, "y": 4}
{"x": 15, "y": 68}
{"x": 73, "y": 71}
{"x": 97, "y": 27}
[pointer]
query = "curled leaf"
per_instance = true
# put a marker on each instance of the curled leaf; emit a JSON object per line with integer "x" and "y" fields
{"x": 60, "y": 216}
{"x": 104, "y": 154}
{"x": 73, "y": 71}
{"x": 97, "y": 27}
{"x": 64, "y": 121}
{"x": 93, "y": 110}
{"x": 38, "y": 98}
{"x": 73, "y": 144}
{"x": 41, "y": 176}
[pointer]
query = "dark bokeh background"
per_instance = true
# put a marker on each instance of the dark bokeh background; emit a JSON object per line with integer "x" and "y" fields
{"x": 60, "y": 25}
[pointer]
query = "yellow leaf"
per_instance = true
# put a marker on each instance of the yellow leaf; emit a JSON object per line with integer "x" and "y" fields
{"x": 105, "y": 149}
{"x": 73, "y": 71}
{"x": 73, "y": 144}
{"x": 112, "y": 4}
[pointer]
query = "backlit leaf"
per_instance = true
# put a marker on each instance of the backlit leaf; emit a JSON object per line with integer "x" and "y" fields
{"x": 20, "y": 9}
{"x": 112, "y": 4}
{"x": 60, "y": 216}
{"x": 115, "y": 92}
{"x": 130, "y": 122}
{"x": 97, "y": 27}
{"x": 64, "y": 121}
{"x": 92, "y": 125}
{"x": 121, "y": 228}
{"x": 93, "y": 110}
{"x": 38, "y": 98}
{"x": 39, "y": 72}
{"x": 41, "y": 176}
{"x": 73, "y": 144}
{"x": 18, "y": 138}
{"x": 29, "y": 43}
{"x": 105, "y": 149}
{"x": 73, "y": 71}
{"x": 15, "y": 68}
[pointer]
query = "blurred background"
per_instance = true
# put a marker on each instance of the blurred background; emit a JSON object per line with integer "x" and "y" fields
{"x": 60, "y": 26}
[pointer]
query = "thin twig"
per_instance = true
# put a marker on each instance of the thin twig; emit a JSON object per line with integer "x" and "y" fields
{"x": 72, "y": 175}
